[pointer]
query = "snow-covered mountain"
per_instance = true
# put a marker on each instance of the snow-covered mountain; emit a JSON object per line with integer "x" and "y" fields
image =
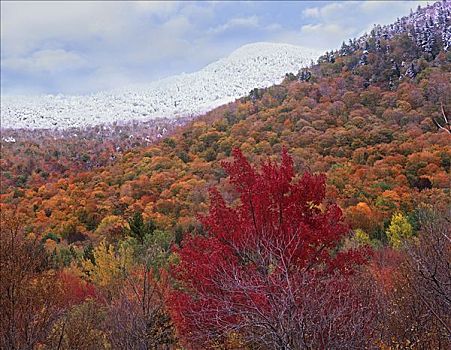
{"x": 251, "y": 66}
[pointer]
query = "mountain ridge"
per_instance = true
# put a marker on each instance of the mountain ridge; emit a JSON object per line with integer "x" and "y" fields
{"x": 188, "y": 94}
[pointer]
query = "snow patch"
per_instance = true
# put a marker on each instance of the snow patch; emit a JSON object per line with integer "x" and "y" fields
{"x": 252, "y": 66}
{"x": 9, "y": 139}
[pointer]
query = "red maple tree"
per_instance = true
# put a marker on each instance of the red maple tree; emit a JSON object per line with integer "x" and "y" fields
{"x": 270, "y": 273}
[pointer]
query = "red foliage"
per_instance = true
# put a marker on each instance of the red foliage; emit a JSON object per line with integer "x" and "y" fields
{"x": 262, "y": 258}
{"x": 75, "y": 289}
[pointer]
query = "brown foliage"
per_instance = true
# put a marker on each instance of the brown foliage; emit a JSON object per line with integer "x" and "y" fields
{"x": 31, "y": 299}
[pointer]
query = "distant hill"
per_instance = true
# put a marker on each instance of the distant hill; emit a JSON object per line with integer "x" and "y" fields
{"x": 251, "y": 66}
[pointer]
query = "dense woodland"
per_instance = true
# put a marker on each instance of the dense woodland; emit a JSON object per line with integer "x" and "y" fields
{"x": 310, "y": 215}
{"x": 34, "y": 157}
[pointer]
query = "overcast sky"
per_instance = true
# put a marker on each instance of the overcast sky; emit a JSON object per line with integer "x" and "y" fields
{"x": 82, "y": 47}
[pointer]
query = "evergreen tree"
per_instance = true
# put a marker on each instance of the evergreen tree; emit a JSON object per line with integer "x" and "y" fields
{"x": 140, "y": 229}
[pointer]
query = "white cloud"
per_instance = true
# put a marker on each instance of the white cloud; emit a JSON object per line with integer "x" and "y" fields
{"x": 325, "y": 35}
{"x": 53, "y": 36}
{"x": 313, "y": 12}
{"x": 27, "y": 26}
{"x": 330, "y": 11}
{"x": 234, "y": 23}
{"x": 46, "y": 61}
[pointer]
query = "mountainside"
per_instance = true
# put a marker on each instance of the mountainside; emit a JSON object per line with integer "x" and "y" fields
{"x": 429, "y": 27}
{"x": 422, "y": 35}
{"x": 349, "y": 117}
{"x": 251, "y": 66}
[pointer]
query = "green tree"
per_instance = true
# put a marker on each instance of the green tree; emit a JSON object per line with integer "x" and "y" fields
{"x": 140, "y": 229}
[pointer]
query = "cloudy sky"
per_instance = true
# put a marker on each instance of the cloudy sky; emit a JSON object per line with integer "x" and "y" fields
{"x": 83, "y": 47}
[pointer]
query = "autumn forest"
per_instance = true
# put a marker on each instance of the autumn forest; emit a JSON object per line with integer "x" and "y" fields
{"x": 314, "y": 214}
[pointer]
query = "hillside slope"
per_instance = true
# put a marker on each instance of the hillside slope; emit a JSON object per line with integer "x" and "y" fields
{"x": 254, "y": 65}
{"x": 368, "y": 126}
{"x": 362, "y": 118}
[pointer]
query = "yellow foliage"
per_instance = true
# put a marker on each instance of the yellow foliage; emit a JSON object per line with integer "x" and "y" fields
{"x": 399, "y": 230}
{"x": 110, "y": 266}
{"x": 361, "y": 237}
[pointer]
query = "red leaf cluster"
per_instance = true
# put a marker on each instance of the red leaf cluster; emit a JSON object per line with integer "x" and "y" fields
{"x": 262, "y": 257}
{"x": 75, "y": 289}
